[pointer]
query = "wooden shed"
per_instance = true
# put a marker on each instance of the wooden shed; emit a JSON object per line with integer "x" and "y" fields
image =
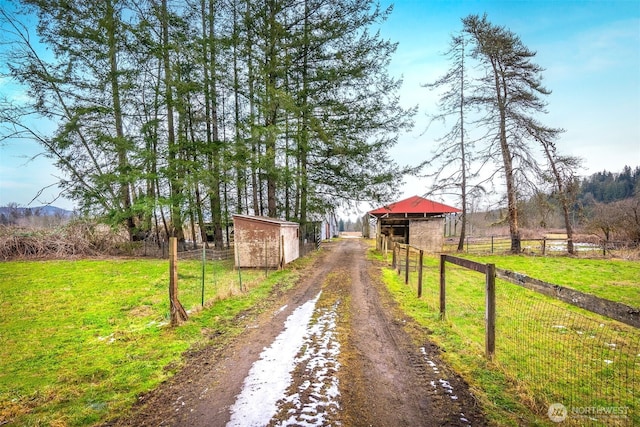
{"x": 416, "y": 221}
{"x": 262, "y": 242}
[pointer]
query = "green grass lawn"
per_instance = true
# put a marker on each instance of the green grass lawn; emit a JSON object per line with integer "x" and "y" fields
{"x": 80, "y": 340}
{"x": 545, "y": 352}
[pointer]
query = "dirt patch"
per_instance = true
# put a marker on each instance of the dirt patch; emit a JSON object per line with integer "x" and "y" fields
{"x": 355, "y": 366}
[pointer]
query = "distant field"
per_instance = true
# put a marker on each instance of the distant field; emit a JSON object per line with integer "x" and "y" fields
{"x": 616, "y": 280}
{"x": 81, "y": 340}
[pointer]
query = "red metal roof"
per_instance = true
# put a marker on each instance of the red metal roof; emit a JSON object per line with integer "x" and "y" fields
{"x": 414, "y": 205}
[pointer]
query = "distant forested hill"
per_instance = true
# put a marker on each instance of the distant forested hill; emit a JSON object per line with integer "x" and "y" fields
{"x": 607, "y": 187}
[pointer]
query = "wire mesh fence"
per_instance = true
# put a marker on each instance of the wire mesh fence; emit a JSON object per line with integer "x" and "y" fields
{"x": 209, "y": 274}
{"x": 205, "y": 276}
{"x": 154, "y": 249}
{"x": 557, "y": 355}
{"x": 563, "y": 355}
{"x": 546, "y": 246}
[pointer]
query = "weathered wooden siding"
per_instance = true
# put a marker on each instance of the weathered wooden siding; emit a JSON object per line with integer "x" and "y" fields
{"x": 427, "y": 234}
{"x": 258, "y": 242}
{"x": 291, "y": 238}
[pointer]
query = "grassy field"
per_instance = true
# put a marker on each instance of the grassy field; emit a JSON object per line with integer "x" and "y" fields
{"x": 80, "y": 340}
{"x": 545, "y": 351}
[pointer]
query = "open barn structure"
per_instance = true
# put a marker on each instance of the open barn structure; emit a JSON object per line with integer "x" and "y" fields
{"x": 416, "y": 221}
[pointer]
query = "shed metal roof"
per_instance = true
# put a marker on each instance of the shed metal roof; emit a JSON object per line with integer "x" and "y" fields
{"x": 266, "y": 219}
{"x": 414, "y": 205}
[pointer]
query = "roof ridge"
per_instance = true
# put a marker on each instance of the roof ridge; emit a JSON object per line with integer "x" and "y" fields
{"x": 415, "y": 204}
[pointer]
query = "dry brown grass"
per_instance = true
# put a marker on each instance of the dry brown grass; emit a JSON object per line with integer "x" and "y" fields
{"x": 74, "y": 240}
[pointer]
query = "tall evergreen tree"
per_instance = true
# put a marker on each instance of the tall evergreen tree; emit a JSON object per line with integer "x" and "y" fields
{"x": 83, "y": 90}
{"x": 350, "y": 115}
{"x": 166, "y": 110}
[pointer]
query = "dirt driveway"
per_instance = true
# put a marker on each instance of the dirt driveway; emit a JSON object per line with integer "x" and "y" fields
{"x": 332, "y": 351}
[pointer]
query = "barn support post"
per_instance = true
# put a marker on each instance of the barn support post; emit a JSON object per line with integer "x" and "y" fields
{"x": 176, "y": 310}
{"x": 393, "y": 257}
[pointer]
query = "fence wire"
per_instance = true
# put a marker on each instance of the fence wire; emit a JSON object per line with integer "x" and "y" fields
{"x": 207, "y": 275}
{"x": 555, "y": 353}
{"x": 563, "y": 355}
{"x": 545, "y": 246}
{"x": 204, "y": 278}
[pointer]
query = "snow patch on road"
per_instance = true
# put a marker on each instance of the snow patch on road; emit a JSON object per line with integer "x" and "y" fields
{"x": 316, "y": 399}
{"x": 444, "y": 384}
{"x": 270, "y": 375}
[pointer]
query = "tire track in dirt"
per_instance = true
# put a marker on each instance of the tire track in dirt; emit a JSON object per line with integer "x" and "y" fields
{"x": 402, "y": 383}
{"x": 356, "y": 366}
{"x": 313, "y": 396}
{"x": 383, "y": 388}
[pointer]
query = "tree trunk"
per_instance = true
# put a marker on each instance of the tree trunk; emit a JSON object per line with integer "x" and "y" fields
{"x": 463, "y": 156}
{"x": 215, "y": 143}
{"x": 562, "y": 193}
{"x": 240, "y": 148}
{"x": 271, "y": 115}
{"x": 121, "y": 144}
{"x": 255, "y": 148}
{"x": 304, "y": 131}
{"x": 173, "y": 169}
{"x": 507, "y": 160}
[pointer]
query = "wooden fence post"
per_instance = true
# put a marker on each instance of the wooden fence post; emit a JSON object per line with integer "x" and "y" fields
{"x": 393, "y": 257}
{"x": 443, "y": 295}
{"x": 490, "y": 313}
{"x": 406, "y": 266}
{"x": 176, "y": 310}
{"x": 204, "y": 263}
{"x": 420, "y": 260}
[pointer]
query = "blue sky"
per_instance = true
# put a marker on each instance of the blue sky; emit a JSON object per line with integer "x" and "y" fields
{"x": 589, "y": 49}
